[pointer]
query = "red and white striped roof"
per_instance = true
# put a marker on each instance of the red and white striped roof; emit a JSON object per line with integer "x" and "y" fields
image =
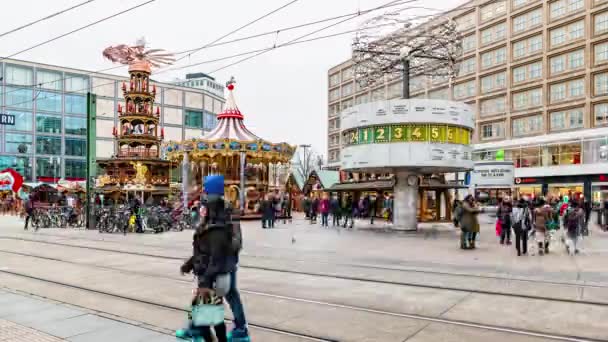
{"x": 230, "y": 123}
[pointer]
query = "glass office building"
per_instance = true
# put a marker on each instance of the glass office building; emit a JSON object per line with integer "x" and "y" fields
{"x": 48, "y": 140}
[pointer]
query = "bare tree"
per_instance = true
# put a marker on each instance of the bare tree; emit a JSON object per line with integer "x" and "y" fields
{"x": 304, "y": 162}
{"x": 412, "y": 48}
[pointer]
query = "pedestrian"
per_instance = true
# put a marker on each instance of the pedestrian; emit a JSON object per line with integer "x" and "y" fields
{"x": 267, "y": 212}
{"x": 29, "y": 211}
{"x": 372, "y": 208}
{"x": 347, "y": 211}
{"x": 334, "y": 207}
{"x": 522, "y": 223}
{"x": 587, "y": 208}
{"x": 306, "y": 206}
{"x": 542, "y": 215}
{"x": 469, "y": 224}
{"x": 504, "y": 215}
{"x": 314, "y": 210}
{"x": 324, "y": 209}
{"x": 574, "y": 222}
{"x": 388, "y": 207}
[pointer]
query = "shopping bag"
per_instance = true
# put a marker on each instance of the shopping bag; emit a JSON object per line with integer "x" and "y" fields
{"x": 207, "y": 315}
{"x": 498, "y": 227}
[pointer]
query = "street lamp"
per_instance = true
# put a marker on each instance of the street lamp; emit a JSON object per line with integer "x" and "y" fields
{"x": 306, "y": 161}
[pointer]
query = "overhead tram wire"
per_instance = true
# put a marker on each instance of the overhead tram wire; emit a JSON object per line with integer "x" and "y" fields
{"x": 304, "y": 36}
{"x": 79, "y": 29}
{"x": 212, "y": 44}
{"x": 50, "y": 16}
{"x": 195, "y": 50}
{"x": 293, "y": 42}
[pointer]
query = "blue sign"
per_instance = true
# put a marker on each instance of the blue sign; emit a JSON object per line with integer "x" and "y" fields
{"x": 7, "y": 119}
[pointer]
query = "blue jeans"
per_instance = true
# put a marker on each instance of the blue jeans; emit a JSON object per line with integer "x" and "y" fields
{"x": 236, "y": 305}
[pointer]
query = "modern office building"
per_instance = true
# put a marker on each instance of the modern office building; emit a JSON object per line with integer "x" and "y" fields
{"x": 48, "y": 140}
{"x": 536, "y": 73}
{"x": 202, "y": 81}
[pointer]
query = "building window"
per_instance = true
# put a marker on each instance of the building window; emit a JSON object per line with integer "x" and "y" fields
{"x": 567, "y": 33}
{"x": 600, "y": 84}
{"x": 493, "y": 82}
{"x": 48, "y": 124}
{"x": 334, "y": 94}
{"x": 527, "y": 125}
{"x": 527, "y": 72}
{"x": 560, "y": 8}
{"x": 567, "y": 62}
{"x": 23, "y": 165}
{"x": 600, "y": 23}
{"x": 527, "y": 99}
{"x": 469, "y": 43}
{"x": 334, "y": 79}
{"x": 378, "y": 94}
{"x": 493, "y": 106}
{"x": 48, "y": 168}
{"x": 601, "y": 53}
{"x": 492, "y": 130}
{"x": 23, "y": 121}
{"x": 21, "y": 98}
{"x": 77, "y": 83}
{"x": 50, "y": 80}
{"x": 194, "y": 119}
{"x": 417, "y": 83}
{"x": 493, "y": 58}
{"x": 493, "y": 10}
{"x": 520, "y": 3}
{"x": 75, "y": 169}
{"x": 347, "y": 74}
{"x": 18, "y": 143}
{"x": 467, "y": 66}
{"x": 47, "y": 101}
{"x": 75, "y": 104}
{"x": 395, "y": 90}
{"x": 75, "y": 147}
{"x": 347, "y": 89}
{"x": 75, "y": 125}
{"x": 528, "y": 20}
{"x": 464, "y": 90}
{"x": 439, "y": 94}
{"x": 465, "y": 22}
{"x": 567, "y": 90}
{"x": 600, "y": 112}
{"x": 19, "y": 75}
{"x": 568, "y": 119}
{"x": 527, "y": 47}
{"x": 209, "y": 121}
{"x": 493, "y": 34}
{"x": 48, "y": 145}
{"x": 362, "y": 99}
{"x": 347, "y": 104}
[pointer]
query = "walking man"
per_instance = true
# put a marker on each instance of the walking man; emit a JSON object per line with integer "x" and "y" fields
{"x": 522, "y": 223}
{"x": 334, "y": 207}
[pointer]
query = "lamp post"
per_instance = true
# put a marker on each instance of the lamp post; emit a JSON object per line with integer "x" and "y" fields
{"x": 242, "y": 155}
{"x": 306, "y": 161}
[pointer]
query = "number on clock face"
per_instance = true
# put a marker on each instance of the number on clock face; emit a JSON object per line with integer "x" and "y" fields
{"x": 416, "y": 133}
{"x": 380, "y": 134}
{"x": 398, "y": 133}
{"x": 435, "y": 133}
{"x": 354, "y": 137}
{"x": 450, "y": 134}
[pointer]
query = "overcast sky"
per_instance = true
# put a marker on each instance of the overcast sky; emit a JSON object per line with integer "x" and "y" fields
{"x": 283, "y": 93}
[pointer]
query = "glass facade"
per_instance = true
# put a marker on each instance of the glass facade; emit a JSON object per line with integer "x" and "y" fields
{"x": 48, "y": 140}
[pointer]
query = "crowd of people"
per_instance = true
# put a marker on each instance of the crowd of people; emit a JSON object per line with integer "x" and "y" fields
{"x": 539, "y": 219}
{"x": 344, "y": 212}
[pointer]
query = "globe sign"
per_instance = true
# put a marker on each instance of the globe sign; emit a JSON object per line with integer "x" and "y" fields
{"x": 22, "y": 148}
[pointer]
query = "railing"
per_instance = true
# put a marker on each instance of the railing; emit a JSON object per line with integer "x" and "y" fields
{"x": 138, "y": 154}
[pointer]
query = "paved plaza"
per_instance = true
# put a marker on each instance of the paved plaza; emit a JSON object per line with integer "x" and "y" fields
{"x": 300, "y": 281}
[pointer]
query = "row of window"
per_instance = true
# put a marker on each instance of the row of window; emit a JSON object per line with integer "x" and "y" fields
{"x": 558, "y": 121}
{"x": 47, "y": 101}
{"x": 198, "y": 119}
{"x": 45, "y": 167}
{"x": 343, "y": 76}
{"x": 51, "y": 145}
{"x": 46, "y": 123}
{"x": 21, "y": 75}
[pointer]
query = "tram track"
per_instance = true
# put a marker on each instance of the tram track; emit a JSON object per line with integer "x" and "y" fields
{"x": 345, "y": 264}
{"x": 418, "y": 317}
{"x": 321, "y": 275}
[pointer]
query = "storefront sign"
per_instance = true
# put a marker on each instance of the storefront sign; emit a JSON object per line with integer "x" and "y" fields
{"x": 10, "y": 180}
{"x": 526, "y": 180}
{"x": 492, "y": 174}
{"x": 7, "y": 119}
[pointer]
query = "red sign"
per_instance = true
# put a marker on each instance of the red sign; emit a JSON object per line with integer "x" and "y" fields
{"x": 603, "y": 178}
{"x": 10, "y": 180}
{"x": 525, "y": 180}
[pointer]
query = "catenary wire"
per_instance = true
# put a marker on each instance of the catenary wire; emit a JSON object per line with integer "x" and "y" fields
{"x": 50, "y": 16}
{"x": 301, "y": 37}
{"x": 78, "y": 29}
{"x": 292, "y": 42}
{"x": 233, "y": 41}
{"x": 191, "y": 51}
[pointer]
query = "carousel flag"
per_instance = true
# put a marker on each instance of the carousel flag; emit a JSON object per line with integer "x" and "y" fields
{"x": 10, "y": 180}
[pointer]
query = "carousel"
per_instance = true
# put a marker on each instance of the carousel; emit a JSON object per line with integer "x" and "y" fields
{"x": 252, "y": 167}
{"x": 136, "y": 167}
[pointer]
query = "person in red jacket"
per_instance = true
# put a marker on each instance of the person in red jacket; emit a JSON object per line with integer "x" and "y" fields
{"x": 324, "y": 210}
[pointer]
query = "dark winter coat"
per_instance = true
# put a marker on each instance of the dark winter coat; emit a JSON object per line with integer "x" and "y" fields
{"x": 334, "y": 206}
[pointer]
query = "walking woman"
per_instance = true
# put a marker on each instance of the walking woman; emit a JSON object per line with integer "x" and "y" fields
{"x": 469, "y": 224}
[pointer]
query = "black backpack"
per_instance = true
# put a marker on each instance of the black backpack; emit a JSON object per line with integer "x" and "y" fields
{"x": 572, "y": 221}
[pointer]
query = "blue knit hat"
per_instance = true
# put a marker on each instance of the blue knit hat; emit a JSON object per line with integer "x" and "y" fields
{"x": 214, "y": 185}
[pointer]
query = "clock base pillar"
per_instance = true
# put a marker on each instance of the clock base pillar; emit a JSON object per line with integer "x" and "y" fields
{"x": 405, "y": 204}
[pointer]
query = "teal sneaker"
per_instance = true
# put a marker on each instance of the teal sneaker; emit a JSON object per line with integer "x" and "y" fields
{"x": 184, "y": 334}
{"x": 238, "y": 335}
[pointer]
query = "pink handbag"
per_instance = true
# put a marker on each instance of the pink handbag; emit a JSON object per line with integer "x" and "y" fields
{"x": 498, "y": 227}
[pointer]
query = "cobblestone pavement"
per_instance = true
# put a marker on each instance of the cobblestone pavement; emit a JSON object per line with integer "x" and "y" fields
{"x": 13, "y": 332}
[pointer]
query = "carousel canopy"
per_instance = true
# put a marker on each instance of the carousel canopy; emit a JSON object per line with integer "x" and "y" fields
{"x": 230, "y": 136}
